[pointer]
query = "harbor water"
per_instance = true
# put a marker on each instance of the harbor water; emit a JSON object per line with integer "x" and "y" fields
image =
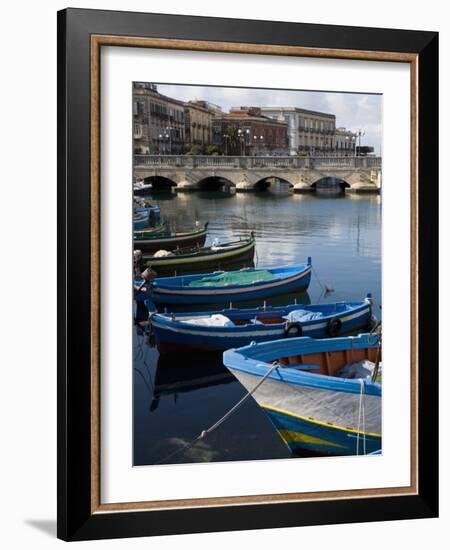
{"x": 177, "y": 396}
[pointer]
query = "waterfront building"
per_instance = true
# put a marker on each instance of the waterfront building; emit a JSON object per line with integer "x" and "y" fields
{"x": 309, "y": 132}
{"x": 246, "y": 131}
{"x": 158, "y": 121}
{"x": 345, "y": 142}
{"x": 198, "y": 124}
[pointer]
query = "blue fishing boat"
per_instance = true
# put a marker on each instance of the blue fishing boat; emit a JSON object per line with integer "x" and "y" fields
{"x": 322, "y": 396}
{"x": 232, "y": 327}
{"x": 231, "y": 286}
{"x": 142, "y": 215}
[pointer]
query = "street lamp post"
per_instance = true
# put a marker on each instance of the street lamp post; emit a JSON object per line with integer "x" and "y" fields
{"x": 258, "y": 143}
{"x": 168, "y": 136}
{"x": 359, "y": 133}
{"x": 226, "y": 136}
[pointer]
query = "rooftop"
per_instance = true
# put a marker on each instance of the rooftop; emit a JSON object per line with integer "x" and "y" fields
{"x": 153, "y": 90}
{"x": 249, "y": 114}
{"x": 299, "y": 110}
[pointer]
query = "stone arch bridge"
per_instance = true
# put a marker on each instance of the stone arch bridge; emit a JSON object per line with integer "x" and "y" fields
{"x": 282, "y": 174}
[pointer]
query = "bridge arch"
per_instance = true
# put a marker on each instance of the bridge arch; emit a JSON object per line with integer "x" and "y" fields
{"x": 160, "y": 183}
{"x": 330, "y": 183}
{"x": 272, "y": 183}
{"x": 215, "y": 183}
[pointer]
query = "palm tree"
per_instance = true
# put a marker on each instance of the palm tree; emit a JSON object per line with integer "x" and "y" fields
{"x": 232, "y": 133}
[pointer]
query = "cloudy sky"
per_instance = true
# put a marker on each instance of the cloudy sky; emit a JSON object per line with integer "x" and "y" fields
{"x": 353, "y": 111}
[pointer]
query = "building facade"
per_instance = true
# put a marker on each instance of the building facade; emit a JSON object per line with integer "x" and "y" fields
{"x": 167, "y": 126}
{"x": 158, "y": 121}
{"x": 309, "y": 132}
{"x": 198, "y": 125}
{"x": 345, "y": 142}
{"x": 246, "y": 131}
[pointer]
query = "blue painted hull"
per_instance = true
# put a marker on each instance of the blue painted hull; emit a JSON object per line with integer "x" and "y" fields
{"x": 313, "y": 407}
{"x": 140, "y": 225}
{"x": 167, "y": 291}
{"x": 304, "y": 434}
{"x": 171, "y": 334}
{"x": 142, "y": 216}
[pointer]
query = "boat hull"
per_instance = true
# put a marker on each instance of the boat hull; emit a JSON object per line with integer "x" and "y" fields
{"x": 142, "y": 191}
{"x": 299, "y": 282}
{"x": 170, "y": 242}
{"x": 311, "y": 411}
{"x": 234, "y": 258}
{"x": 173, "y": 335}
{"x": 150, "y": 232}
{"x": 142, "y": 216}
{"x": 302, "y": 434}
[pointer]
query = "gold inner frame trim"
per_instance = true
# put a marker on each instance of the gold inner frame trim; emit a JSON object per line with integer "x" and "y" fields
{"x": 97, "y": 41}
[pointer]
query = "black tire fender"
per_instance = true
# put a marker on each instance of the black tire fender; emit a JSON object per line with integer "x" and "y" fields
{"x": 334, "y": 326}
{"x": 293, "y": 328}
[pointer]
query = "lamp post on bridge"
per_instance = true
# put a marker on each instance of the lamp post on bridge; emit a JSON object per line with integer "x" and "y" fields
{"x": 226, "y": 137}
{"x": 359, "y": 134}
{"x": 168, "y": 136}
{"x": 258, "y": 142}
{"x": 243, "y": 135}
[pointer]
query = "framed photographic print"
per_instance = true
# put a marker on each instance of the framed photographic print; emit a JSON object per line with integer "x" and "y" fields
{"x": 247, "y": 274}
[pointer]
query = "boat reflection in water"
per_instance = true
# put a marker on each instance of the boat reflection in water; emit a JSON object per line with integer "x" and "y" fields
{"x": 181, "y": 397}
{"x": 177, "y": 397}
{"x": 178, "y": 375}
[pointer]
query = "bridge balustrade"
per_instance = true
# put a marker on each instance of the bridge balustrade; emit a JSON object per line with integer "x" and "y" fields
{"x": 255, "y": 162}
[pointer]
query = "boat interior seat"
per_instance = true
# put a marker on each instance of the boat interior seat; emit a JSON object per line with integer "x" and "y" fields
{"x": 302, "y": 366}
{"x": 256, "y": 321}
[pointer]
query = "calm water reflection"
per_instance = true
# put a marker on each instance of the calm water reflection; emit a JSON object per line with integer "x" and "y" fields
{"x": 175, "y": 398}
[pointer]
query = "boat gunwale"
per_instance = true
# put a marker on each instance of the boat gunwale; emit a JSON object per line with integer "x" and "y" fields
{"x": 169, "y": 322}
{"x": 168, "y": 237}
{"x": 289, "y": 272}
{"x": 237, "y": 359}
{"x": 197, "y": 256}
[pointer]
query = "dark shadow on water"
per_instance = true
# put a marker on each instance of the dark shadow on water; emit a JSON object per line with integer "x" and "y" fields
{"x": 178, "y": 373}
{"x": 212, "y": 195}
{"x": 163, "y": 195}
{"x": 280, "y": 300}
{"x": 46, "y": 526}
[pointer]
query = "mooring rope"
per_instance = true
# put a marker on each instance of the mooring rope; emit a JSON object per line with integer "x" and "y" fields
{"x": 233, "y": 409}
{"x": 318, "y": 280}
{"x": 239, "y": 403}
{"x": 325, "y": 288}
{"x": 361, "y": 416}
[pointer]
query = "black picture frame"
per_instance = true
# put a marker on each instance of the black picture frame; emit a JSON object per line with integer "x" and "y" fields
{"x": 76, "y": 521}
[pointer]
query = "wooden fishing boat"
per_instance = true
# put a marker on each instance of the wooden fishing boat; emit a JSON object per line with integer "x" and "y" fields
{"x": 169, "y": 240}
{"x": 141, "y": 189}
{"x": 318, "y": 394}
{"x": 203, "y": 259}
{"x": 232, "y": 328}
{"x": 230, "y": 287}
{"x": 143, "y": 214}
{"x": 151, "y": 231}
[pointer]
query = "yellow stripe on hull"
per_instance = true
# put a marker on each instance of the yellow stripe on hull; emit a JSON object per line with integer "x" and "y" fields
{"x": 173, "y": 261}
{"x": 313, "y": 421}
{"x": 289, "y": 437}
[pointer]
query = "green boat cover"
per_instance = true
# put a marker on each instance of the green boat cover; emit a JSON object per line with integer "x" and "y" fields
{"x": 235, "y": 278}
